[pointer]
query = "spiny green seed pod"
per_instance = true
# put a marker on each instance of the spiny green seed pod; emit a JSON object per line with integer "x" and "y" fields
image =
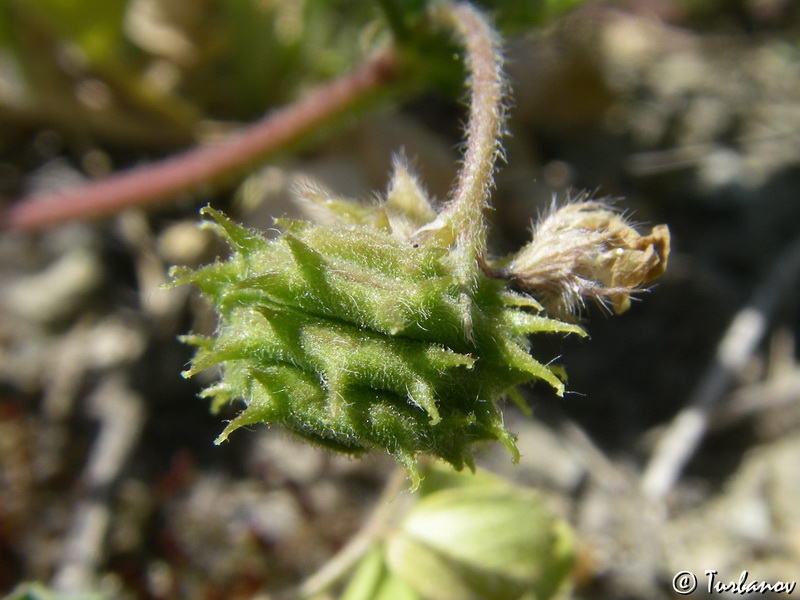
{"x": 354, "y": 337}
{"x": 379, "y": 329}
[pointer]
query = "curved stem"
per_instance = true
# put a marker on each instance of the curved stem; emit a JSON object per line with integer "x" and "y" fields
{"x": 487, "y": 86}
{"x": 160, "y": 181}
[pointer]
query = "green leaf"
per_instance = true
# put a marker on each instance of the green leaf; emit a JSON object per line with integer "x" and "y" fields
{"x": 372, "y": 580}
{"x": 38, "y": 591}
{"x": 515, "y": 17}
{"x": 479, "y": 540}
{"x": 95, "y": 26}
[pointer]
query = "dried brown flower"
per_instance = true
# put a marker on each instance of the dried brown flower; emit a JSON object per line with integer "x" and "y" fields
{"x": 588, "y": 250}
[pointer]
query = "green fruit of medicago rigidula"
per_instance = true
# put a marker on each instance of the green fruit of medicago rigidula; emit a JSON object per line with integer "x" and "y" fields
{"x": 353, "y": 335}
{"x": 384, "y": 326}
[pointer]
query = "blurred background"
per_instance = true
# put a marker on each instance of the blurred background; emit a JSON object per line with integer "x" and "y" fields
{"x": 687, "y": 112}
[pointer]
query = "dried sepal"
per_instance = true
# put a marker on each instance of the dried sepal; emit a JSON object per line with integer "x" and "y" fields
{"x": 325, "y": 208}
{"x": 588, "y": 250}
{"x": 402, "y": 211}
{"x": 407, "y": 204}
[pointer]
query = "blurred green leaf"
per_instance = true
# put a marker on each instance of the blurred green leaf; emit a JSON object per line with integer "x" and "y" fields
{"x": 95, "y": 26}
{"x": 271, "y": 49}
{"x": 481, "y": 540}
{"x": 373, "y": 581}
{"x": 513, "y": 18}
{"x": 38, "y": 591}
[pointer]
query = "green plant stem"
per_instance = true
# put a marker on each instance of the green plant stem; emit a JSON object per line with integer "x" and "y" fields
{"x": 162, "y": 181}
{"x": 464, "y": 215}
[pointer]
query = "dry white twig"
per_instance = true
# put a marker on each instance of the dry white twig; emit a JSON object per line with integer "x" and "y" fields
{"x": 387, "y": 508}
{"x": 121, "y": 417}
{"x": 776, "y": 393}
{"x": 684, "y": 434}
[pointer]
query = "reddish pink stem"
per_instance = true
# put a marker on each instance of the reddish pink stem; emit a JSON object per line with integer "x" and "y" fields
{"x": 150, "y": 184}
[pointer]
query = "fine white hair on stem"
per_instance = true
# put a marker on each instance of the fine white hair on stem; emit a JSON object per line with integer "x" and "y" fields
{"x": 488, "y": 90}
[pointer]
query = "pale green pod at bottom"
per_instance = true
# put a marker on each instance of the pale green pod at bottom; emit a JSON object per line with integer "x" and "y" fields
{"x": 482, "y": 541}
{"x": 468, "y": 537}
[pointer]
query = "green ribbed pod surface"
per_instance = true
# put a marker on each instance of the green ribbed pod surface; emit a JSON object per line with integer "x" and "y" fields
{"x": 356, "y": 338}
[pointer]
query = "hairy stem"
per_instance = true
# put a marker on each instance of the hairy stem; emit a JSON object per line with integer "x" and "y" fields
{"x": 487, "y": 87}
{"x": 161, "y": 181}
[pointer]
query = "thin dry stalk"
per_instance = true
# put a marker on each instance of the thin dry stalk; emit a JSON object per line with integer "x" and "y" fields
{"x": 684, "y": 434}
